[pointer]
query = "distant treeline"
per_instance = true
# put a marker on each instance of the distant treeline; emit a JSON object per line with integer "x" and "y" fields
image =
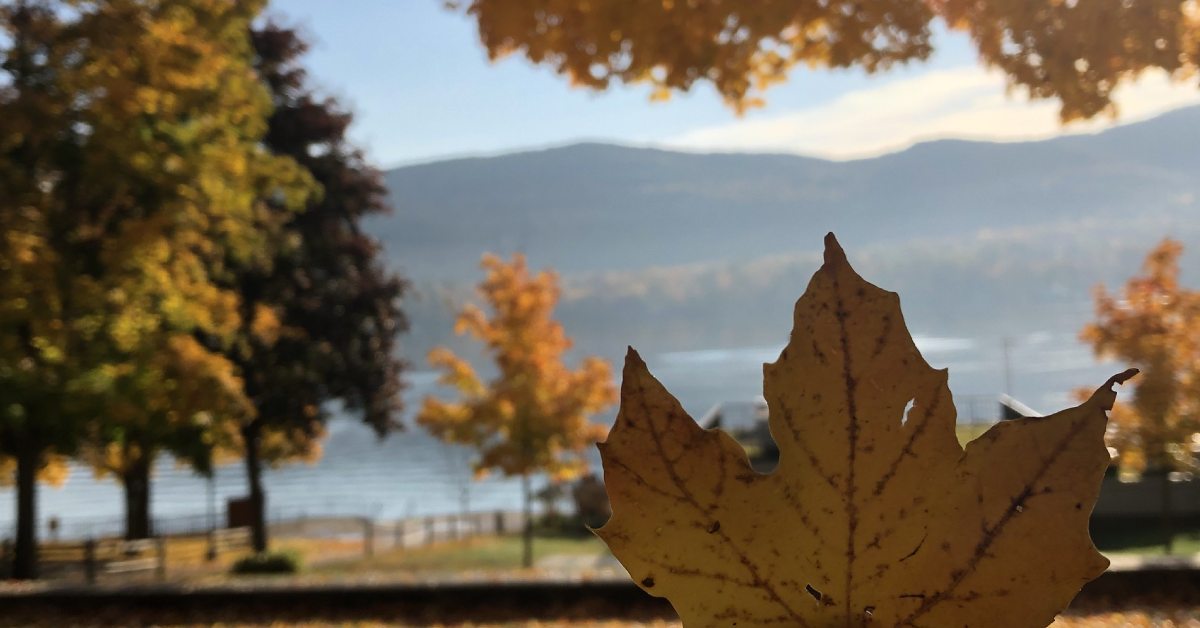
{"x": 1001, "y": 283}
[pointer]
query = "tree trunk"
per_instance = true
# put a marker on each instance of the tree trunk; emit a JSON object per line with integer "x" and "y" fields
{"x": 1168, "y": 526}
{"x": 527, "y": 533}
{"x": 25, "y": 565}
{"x": 137, "y": 499}
{"x": 258, "y": 523}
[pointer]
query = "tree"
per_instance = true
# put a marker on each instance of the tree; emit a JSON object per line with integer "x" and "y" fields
{"x": 1154, "y": 325}
{"x": 333, "y": 307}
{"x": 35, "y": 279}
{"x": 186, "y": 70}
{"x": 1075, "y": 52}
{"x": 533, "y": 416}
{"x": 130, "y": 172}
{"x": 54, "y": 472}
{"x": 170, "y": 400}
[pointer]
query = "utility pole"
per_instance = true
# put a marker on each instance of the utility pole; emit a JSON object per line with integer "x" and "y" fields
{"x": 1008, "y": 387}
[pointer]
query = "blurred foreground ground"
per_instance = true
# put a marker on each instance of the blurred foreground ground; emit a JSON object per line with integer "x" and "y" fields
{"x": 1180, "y": 618}
{"x": 341, "y": 566}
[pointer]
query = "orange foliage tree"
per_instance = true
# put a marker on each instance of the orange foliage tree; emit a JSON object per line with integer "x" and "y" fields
{"x": 1154, "y": 324}
{"x": 533, "y": 415}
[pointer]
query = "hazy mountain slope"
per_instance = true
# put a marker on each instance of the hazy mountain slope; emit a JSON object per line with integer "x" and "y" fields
{"x": 593, "y": 207}
{"x": 1009, "y": 283}
{"x": 675, "y": 251}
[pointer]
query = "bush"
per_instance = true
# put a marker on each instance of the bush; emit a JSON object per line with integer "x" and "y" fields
{"x": 558, "y": 525}
{"x": 591, "y": 501}
{"x": 268, "y": 563}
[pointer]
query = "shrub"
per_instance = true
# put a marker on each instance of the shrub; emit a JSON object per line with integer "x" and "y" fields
{"x": 268, "y": 563}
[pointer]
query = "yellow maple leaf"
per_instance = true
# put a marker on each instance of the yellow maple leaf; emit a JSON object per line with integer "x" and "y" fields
{"x": 874, "y": 516}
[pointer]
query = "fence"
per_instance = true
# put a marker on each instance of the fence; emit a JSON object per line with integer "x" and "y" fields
{"x": 192, "y": 544}
{"x": 402, "y": 533}
{"x": 95, "y": 556}
{"x": 192, "y": 524}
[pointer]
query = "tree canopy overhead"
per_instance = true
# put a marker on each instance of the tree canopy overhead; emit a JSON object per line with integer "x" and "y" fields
{"x": 1067, "y": 50}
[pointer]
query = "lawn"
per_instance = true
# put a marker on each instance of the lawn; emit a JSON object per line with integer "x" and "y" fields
{"x": 1146, "y": 540}
{"x": 187, "y": 554}
{"x": 968, "y": 432}
{"x": 485, "y": 553}
{"x": 325, "y": 559}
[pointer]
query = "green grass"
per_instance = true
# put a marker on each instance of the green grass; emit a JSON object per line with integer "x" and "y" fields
{"x": 968, "y": 433}
{"x": 1146, "y": 540}
{"x": 492, "y": 553}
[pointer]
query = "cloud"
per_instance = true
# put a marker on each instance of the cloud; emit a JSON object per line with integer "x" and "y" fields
{"x": 964, "y": 103}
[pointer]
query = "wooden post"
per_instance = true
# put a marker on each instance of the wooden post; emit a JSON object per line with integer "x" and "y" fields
{"x": 429, "y": 522}
{"x": 499, "y": 529}
{"x": 160, "y": 546}
{"x": 89, "y": 561}
{"x": 398, "y": 531}
{"x": 368, "y": 537}
{"x": 454, "y": 521}
{"x": 210, "y": 553}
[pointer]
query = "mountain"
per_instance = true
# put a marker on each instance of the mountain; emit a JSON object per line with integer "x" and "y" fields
{"x": 596, "y": 207}
{"x": 681, "y": 250}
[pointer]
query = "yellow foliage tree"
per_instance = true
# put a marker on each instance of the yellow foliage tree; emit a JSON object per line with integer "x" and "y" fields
{"x": 533, "y": 416}
{"x": 1154, "y": 324}
{"x": 188, "y": 155}
{"x": 131, "y": 179}
{"x": 1075, "y": 52}
{"x": 55, "y": 471}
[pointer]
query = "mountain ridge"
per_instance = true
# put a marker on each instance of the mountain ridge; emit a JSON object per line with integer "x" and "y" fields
{"x": 592, "y": 207}
{"x": 1182, "y": 115}
{"x": 677, "y": 251}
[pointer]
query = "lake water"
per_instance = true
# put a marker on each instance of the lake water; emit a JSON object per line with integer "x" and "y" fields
{"x": 410, "y": 473}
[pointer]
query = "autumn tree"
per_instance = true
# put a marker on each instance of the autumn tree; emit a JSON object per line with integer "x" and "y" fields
{"x": 190, "y": 67}
{"x": 320, "y": 320}
{"x": 34, "y": 327}
{"x": 172, "y": 399}
{"x": 533, "y": 416}
{"x": 1074, "y": 52}
{"x": 1154, "y": 324}
{"x": 131, "y": 173}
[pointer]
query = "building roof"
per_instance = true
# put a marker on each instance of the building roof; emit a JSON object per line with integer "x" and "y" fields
{"x": 735, "y": 415}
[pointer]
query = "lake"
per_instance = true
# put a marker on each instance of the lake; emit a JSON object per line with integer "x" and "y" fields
{"x": 410, "y": 473}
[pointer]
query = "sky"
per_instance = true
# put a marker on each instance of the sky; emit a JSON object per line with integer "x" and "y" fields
{"x": 423, "y": 89}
